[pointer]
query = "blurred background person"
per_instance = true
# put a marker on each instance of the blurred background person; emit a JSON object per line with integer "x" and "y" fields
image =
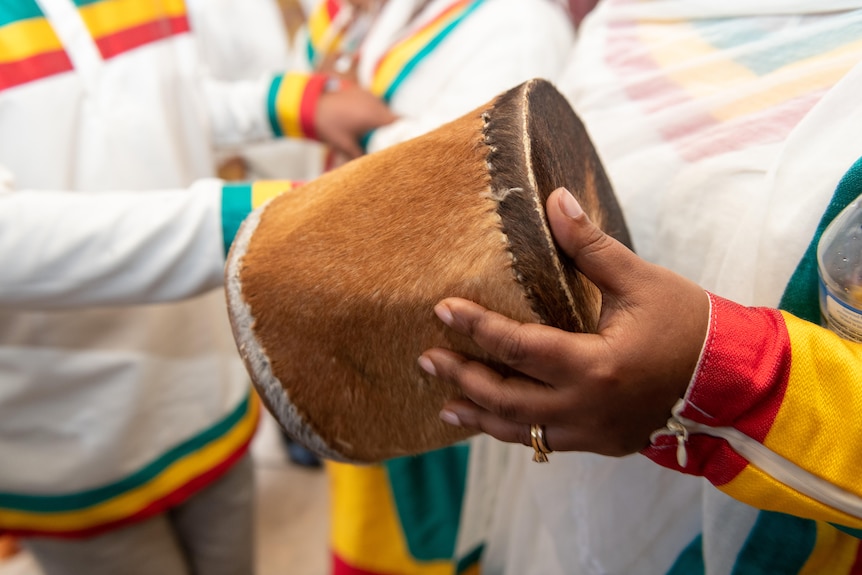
{"x": 244, "y": 41}
{"x": 127, "y": 427}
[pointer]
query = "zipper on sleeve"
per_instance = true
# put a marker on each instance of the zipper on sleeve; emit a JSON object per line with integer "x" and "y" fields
{"x": 763, "y": 458}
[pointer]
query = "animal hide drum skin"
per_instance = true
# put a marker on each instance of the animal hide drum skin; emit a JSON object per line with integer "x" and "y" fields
{"x": 331, "y": 286}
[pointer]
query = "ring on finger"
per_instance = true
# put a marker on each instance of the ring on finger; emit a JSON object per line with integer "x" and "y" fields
{"x": 540, "y": 446}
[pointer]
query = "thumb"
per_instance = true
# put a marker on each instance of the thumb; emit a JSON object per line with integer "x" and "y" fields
{"x": 602, "y": 259}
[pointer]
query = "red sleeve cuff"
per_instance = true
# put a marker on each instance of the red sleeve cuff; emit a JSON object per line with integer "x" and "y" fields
{"x": 739, "y": 382}
{"x": 743, "y": 370}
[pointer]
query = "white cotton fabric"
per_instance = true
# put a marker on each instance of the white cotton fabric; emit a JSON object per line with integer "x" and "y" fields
{"x": 89, "y": 395}
{"x": 537, "y": 37}
{"x": 730, "y": 204}
{"x": 246, "y": 40}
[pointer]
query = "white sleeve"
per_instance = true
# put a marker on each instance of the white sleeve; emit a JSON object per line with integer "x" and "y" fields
{"x": 242, "y": 46}
{"x": 239, "y": 40}
{"x": 238, "y": 110}
{"x": 505, "y": 43}
{"x": 63, "y": 249}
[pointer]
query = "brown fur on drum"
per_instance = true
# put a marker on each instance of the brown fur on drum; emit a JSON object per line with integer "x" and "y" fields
{"x": 331, "y": 287}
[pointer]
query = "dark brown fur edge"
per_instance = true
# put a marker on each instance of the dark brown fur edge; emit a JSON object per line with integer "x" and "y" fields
{"x": 536, "y": 261}
{"x": 567, "y": 157}
{"x": 590, "y": 184}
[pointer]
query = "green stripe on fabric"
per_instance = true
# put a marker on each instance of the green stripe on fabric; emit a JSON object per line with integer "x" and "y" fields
{"x": 428, "y": 490}
{"x": 14, "y": 10}
{"x": 365, "y": 140}
{"x": 271, "y": 112}
{"x": 781, "y": 543}
{"x": 743, "y": 39}
{"x": 778, "y": 543}
{"x": 857, "y": 533}
{"x": 82, "y": 3}
{"x": 89, "y": 498}
{"x": 801, "y": 296}
{"x": 310, "y": 52}
{"x": 235, "y": 207}
{"x": 415, "y": 60}
{"x": 690, "y": 561}
{"x": 469, "y": 560}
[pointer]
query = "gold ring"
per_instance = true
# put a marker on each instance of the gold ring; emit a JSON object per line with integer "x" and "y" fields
{"x": 537, "y": 437}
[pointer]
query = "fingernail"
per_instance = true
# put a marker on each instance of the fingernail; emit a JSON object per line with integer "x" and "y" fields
{"x": 427, "y": 365}
{"x": 450, "y": 417}
{"x": 569, "y": 205}
{"x": 444, "y": 313}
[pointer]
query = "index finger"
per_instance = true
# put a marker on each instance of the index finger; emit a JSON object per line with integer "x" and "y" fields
{"x": 542, "y": 352}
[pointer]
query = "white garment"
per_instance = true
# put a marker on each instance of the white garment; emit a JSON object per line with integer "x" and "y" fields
{"x": 731, "y": 204}
{"x": 247, "y": 40}
{"x": 503, "y": 43}
{"x": 65, "y": 250}
{"x": 239, "y": 40}
{"x": 90, "y": 395}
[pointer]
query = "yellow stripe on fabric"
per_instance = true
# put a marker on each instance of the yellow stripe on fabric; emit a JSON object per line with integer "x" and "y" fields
{"x": 111, "y": 16}
{"x": 366, "y": 532}
{"x": 264, "y": 190}
{"x": 676, "y": 59}
{"x": 798, "y": 79}
{"x": 395, "y": 60}
{"x": 26, "y": 38}
{"x": 812, "y": 416}
{"x": 319, "y": 24}
{"x": 756, "y": 488}
{"x": 834, "y": 552}
{"x": 716, "y": 71}
{"x": 288, "y": 102}
{"x": 130, "y": 503}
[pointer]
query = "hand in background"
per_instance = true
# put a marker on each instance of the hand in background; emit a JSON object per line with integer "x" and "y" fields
{"x": 605, "y": 392}
{"x": 345, "y": 115}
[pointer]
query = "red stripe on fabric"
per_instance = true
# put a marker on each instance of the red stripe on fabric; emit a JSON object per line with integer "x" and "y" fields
{"x": 699, "y": 140}
{"x": 156, "y": 507}
{"x": 645, "y": 78}
{"x": 138, "y": 36}
{"x": 434, "y": 22}
{"x": 744, "y": 369}
{"x": 702, "y": 135}
{"x": 741, "y": 382}
{"x": 332, "y": 7}
{"x": 445, "y": 13}
{"x": 857, "y": 565}
{"x": 308, "y": 104}
{"x": 34, "y": 68}
{"x": 708, "y": 457}
{"x": 341, "y": 567}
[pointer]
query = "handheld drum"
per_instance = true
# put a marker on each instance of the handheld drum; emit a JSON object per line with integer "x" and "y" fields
{"x": 331, "y": 287}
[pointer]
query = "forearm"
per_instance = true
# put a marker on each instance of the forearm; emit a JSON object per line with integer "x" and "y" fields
{"x": 65, "y": 250}
{"x": 772, "y": 415}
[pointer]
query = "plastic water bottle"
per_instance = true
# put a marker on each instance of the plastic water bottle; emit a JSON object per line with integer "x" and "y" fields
{"x": 839, "y": 262}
